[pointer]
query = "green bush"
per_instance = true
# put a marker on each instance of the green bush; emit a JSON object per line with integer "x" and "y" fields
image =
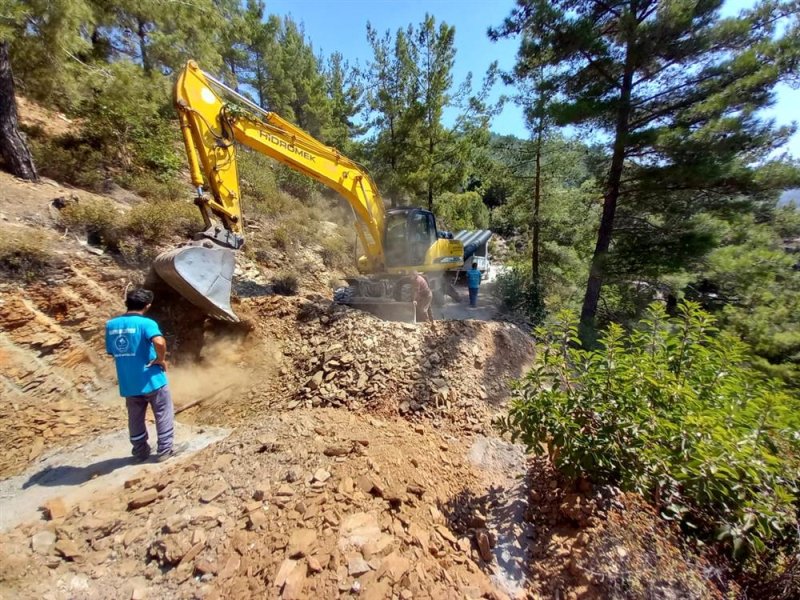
{"x": 461, "y": 211}
{"x": 101, "y": 221}
{"x": 673, "y": 411}
{"x": 155, "y": 222}
{"x": 286, "y": 284}
{"x": 519, "y": 293}
{"x": 138, "y": 234}
{"x": 159, "y": 187}
{"x": 281, "y": 239}
{"x": 297, "y": 184}
{"x": 70, "y": 159}
{"x": 260, "y": 192}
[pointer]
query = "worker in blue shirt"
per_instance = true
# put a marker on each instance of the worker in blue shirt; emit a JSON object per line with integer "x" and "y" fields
{"x": 140, "y": 354}
{"x": 473, "y": 283}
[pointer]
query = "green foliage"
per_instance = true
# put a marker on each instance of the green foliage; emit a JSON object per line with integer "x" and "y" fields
{"x": 257, "y": 179}
{"x": 126, "y": 135}
{"x": 461, "y": 211}
{"x": 296, "y": 184}
{"x": 416, "y": 157}
{"x": 673, "y": 411}
{"x": 519, "y": 293}
{"x": 68, "y": 159}
{"x": 787, "y": 221}
{"x": 677, "y": 91}
{"x": 157, "y": 222}
{"x": 101, "y": 221}
{"x": 124, "y": 118}
{"x": 346, "y": 93}
{"x": 286, "y": 284}
{"x": 750, "y": 280}
{"x": 569, "y": 209}
{"x": 25, "y": 255}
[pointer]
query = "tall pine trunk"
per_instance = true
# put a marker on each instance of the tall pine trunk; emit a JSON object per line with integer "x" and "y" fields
{"x": 610, "y": 198}
{"x": 13, "y": 147}
{"x": 537, "y": 196}
{"x": 431, "y": 148}
{"x": 142, "y": 33}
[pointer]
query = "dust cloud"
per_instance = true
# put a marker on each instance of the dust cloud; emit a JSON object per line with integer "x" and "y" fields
{"x": 221, "y": 374}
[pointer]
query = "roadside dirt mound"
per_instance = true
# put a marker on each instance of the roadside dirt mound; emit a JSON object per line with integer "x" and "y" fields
{"x": 599, "y": 543}
{"x": 319, "y": 503}
{"x": 327, "y": 503}
{"x": 308, "y": 352}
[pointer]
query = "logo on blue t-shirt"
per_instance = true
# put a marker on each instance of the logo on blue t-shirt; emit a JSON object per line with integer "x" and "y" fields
{"x": 129, "y": 341}
{"x": 122, "y": 344}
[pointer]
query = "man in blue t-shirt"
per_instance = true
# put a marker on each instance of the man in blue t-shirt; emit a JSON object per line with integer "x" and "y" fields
{"x": 140, "y": 353}
{"x": 473, "y": 283}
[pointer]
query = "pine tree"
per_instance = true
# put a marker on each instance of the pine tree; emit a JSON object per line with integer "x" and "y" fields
{"x": 13, "y": 146}
{"x": 346, "y": 94}
{"x": 676, "y": 90}
{"x": 390, "y": 93}
{"x": 46, "y": 35}
{"x": 261, "y": 34}
{"x": 411, "y": 89}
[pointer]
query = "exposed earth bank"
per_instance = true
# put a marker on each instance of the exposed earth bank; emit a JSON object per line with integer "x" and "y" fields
{"x": 361, "y": 460}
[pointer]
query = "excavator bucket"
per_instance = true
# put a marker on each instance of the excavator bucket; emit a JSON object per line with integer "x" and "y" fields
{"x": 202, "y": 276}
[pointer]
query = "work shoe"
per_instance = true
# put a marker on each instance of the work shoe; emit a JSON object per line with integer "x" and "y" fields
{"x": 141, "y": 456}
{"x": 172, "y": 452}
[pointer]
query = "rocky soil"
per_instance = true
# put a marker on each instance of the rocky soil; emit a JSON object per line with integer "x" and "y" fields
{"x": 357, "y": 466}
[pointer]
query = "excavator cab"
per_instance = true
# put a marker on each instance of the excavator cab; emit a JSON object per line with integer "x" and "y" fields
{"x": 410, "y": 233}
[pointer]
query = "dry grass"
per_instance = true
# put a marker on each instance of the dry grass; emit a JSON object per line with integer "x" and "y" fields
{"x": 137, "y": 234}
{"x": 336, "y": 252}
{"x": 25, "y": 254}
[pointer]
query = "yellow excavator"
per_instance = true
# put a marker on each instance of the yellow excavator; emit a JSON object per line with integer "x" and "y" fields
{"x": 213, "y": 118}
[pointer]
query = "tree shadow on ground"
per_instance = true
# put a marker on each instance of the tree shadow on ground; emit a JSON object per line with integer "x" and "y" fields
{"x": 70, "y": 475}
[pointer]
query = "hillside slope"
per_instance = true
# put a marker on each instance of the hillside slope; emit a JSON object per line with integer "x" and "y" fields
{"x": 362, "y": 460}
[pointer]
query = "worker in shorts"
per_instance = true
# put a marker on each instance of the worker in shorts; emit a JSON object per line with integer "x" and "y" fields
{"x": 423, "y": 297}
{"x": 140, "y": 353}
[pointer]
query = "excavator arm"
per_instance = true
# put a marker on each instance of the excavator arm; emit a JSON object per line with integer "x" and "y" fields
{"x": 213, "y": 119}
{"x": 210, "y": 126}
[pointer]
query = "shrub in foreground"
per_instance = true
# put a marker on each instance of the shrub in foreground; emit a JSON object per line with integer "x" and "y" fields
{"x": 518, "y": 292}
{"x": 286, "y": 284}
{"x": 673, "y": 411}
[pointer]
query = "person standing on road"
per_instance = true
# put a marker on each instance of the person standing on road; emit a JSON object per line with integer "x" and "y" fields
{"x": 473, "y": 283}
{"x": 140, "y": 353}
{"x": 423, "y": 297}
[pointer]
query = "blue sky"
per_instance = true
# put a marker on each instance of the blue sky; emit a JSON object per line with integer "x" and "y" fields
{"x": 340, "y": 25}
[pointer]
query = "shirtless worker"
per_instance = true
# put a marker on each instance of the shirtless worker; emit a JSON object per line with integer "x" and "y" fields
{"x": 423, "y": 297}
{"x": 140, "y": 353}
